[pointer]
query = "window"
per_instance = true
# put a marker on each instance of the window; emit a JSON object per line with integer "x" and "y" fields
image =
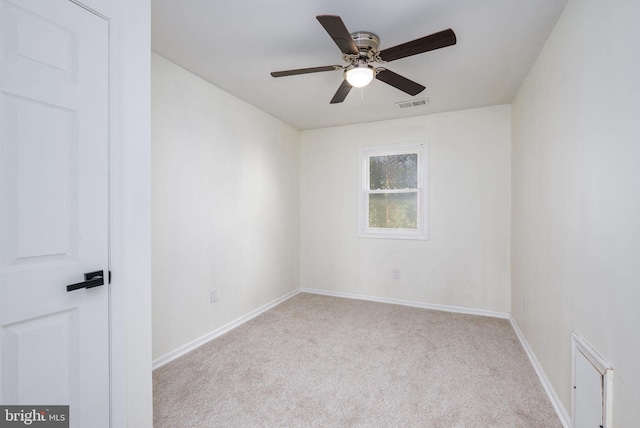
{"x": 393, "y": 191}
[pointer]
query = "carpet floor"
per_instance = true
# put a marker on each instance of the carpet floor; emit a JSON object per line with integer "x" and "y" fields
{"x": 318, "y": 361}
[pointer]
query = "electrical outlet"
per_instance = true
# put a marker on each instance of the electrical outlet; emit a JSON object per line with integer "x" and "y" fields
{"x": 213, "y": 295}
{"x": 524, "y": 302}
{"x": 396, "y": 274}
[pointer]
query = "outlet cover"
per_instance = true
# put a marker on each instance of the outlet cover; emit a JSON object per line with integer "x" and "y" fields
{"x": 213, "y": 295}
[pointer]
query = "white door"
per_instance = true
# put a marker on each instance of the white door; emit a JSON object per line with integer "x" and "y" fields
{"x": 587, "y": 394}
{"x": 54, "y": 183}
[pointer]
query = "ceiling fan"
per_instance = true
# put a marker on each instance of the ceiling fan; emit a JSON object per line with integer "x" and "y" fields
{"x": 360, "y": 49}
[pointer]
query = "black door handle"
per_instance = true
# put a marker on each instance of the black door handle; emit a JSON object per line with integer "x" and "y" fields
{"x": 91, "y": 279}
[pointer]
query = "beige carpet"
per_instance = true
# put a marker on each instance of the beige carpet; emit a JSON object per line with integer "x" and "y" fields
{"x": 317, "y": 361}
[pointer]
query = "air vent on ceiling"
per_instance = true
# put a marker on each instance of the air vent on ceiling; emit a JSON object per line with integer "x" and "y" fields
{"x": 413, "y": 103}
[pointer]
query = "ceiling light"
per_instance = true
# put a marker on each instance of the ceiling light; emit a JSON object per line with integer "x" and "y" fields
{"x": 359, "y": 75}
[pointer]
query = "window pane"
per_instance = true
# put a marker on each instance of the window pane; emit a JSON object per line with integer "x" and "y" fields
{"x": 394, "y": 211}
{"x": 393, "y": 172}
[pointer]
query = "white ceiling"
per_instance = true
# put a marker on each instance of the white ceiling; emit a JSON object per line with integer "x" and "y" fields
{"x": 235, "y": 44}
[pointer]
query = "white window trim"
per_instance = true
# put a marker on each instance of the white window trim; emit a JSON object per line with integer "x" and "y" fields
{"x": 364, "y": 231}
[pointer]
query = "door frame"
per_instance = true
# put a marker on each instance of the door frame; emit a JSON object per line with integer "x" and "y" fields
{"x": 129, "y": 283}
{"x": 602, "y": 367}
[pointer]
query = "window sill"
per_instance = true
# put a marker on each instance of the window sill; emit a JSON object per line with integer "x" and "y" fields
{"x": 394, "y": 234}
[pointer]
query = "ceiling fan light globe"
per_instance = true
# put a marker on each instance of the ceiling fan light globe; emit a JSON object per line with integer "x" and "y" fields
{"x": 359, "y": 77}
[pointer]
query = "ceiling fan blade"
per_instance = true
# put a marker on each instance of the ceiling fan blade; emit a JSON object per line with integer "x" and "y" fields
{"x": 399, "y": 82}
{"x": 341, "y": 93}
{"x": 425, "y": 44}
{"x": 305, "y": 70}
{"x": 338, "y": 31}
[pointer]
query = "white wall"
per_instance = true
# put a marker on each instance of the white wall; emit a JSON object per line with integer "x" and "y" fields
{"x": 465, "y": 262}
{"x": 225, "y": 206}
{"x": 576, "y": 197}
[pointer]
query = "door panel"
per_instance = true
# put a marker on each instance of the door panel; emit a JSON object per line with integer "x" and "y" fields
{"x": 54, "y": 183}
{"x": 41, "y": 171}
{"x": 588, "y": 394}
{"x": 33, "y": 37}
{"x": 26, "y": 366}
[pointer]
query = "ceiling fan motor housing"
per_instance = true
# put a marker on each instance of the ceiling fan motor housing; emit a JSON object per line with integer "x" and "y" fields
{"x": 367, "y": 43}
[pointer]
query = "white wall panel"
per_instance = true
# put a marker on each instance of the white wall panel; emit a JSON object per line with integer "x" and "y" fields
{"x": 225, "y": 207}
{"x": 576, "y": 204}
{"x": 465, "y": 262}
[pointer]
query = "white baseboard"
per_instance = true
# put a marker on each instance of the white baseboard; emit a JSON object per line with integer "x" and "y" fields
{"x": 161, "y": 361}
{"x": 412, "y": 303}
{"x": 546, "y": 384}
